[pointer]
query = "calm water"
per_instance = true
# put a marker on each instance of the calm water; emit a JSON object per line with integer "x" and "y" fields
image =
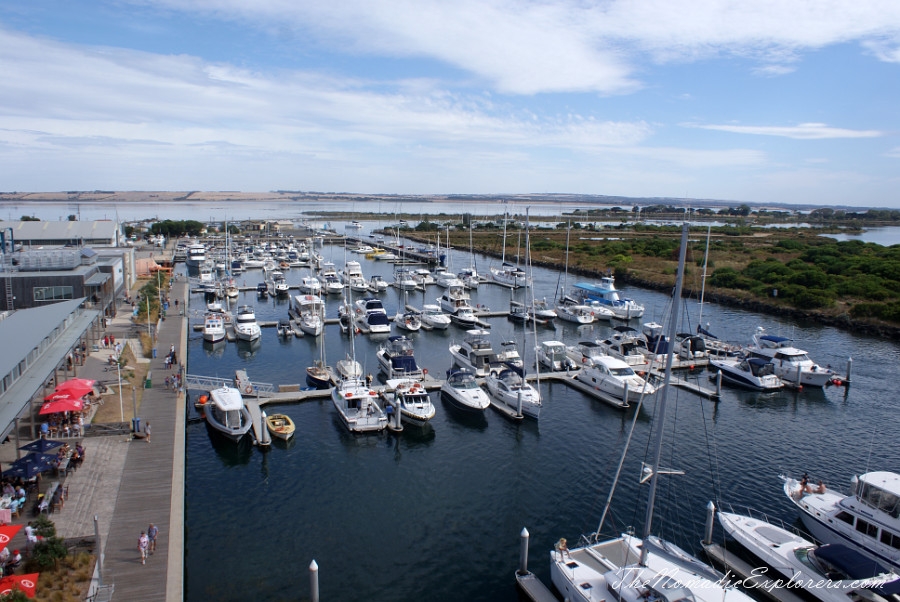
{"x": 435, "y": 513}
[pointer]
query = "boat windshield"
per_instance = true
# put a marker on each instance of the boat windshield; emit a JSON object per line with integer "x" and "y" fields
{"x": 625, "y": 371}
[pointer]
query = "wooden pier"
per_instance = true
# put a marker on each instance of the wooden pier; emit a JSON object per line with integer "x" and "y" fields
{"x": 752, "y": 579}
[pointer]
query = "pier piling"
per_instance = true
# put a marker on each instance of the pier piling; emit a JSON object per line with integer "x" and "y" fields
{"x": 314, "y": 581}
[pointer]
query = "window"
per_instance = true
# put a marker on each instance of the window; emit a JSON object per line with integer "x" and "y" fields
{"x": 890, "y": 539}
{"x": 52, "y": 293}
{"x": 844, "y": 516}
{"x": 867, "y": 528}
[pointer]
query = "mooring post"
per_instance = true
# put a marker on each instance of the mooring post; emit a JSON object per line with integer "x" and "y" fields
{"x": 799, "y": 377}
{"x": 849, "y": 365}
{"x": 523, "y": 551}
{"x": 314, "y": 581}
{"x": 718, "y": 383}
{"x": 710, "y": 518}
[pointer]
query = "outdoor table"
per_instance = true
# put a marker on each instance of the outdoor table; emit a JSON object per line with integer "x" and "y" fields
{"x": 63, "y": 467}
{"x": 6, "y": 515}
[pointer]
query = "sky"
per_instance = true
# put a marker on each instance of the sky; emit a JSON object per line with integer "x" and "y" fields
{"x": 766, "y": 101}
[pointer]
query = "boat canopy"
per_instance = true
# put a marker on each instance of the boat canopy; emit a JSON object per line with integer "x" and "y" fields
{"x": 404, "y": 363}
{"x": 847, "y": 561}
{"x": 881, "y": 490}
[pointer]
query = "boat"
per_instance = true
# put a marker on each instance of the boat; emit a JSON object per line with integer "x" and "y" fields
{"x": 453, "y": 298}
{"x": 411, "y": 399}
{"x": 517, "y": 312}
{"x": 585, "y": 352}
{"x": 792, "y": 365}
{"x": 354, "y": 225}
{"x": 226, "y": 413}
{"x": 614, "y": 378}
{"x": 280, "y": 283}
{"x": 509, "y": 388}
{"x": 509, "y": 355}
{"x": 352, "y": 277}
{"x": 571, "y": 310}
{"x": 868, "y": 519}
{"x": 397, "y": 359}
{"x": 431, "y": 316}
{"x": 462, "y": 391}
{"x": 348, "y": 368}
{"x": 245, "y": 326}
{"x": 408, "y": 320}
{"x": 262, "y": 290}
{"x": 309, "y": 311}
{"x": 630, "y": 568}
{"x": 213, "y": 327}
{"x": 446, "y": 279}
{"x": 370, "y": 316}
{"x": 828, "y": 573}
{"x": 354, "y": 401}
{"x": 377, "y": 284}
{"x": 231, "y": 290}
{"x": 464, "y": 317}
{"x": 475, "y": 352}
{"x": 196, "y": 255}
{"x": 540, "y": 312}
{"x": 751, "y": 373}
{"x": 509, "y": 275}
{"x": 310, "y": 285}
{"x": 284, "y": 329}
{"x": 628, "y": 345}
{"x": 404, "y": 280}
{"x": 469, "y": 277}
{"x": 332, "y": 285}
{"x": 606, "y": 294}
{"x": 319, "y": 375}
{"x": 553, "y": 356}
{"x": 281, "y": 426}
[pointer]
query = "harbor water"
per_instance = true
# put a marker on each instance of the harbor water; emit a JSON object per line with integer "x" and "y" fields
{"x": 435, "y": 512}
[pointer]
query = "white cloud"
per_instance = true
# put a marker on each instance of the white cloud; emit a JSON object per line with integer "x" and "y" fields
{"x": 803, "y": 131}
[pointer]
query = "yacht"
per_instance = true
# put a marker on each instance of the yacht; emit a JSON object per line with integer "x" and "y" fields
{"x": 245, "y": 326}
{"x": 475, "y": 352}
{"x": 788, "y": 360}
{"x": 196, "y": 255}
{"x": 453, "y": 298}
{"x": 214, "y": 327}
{"x": 352, "y": 277}
{"x": 332, "y": 284}
{"x": 866, "y": 519}
{"x": 408, "y": 320}
{"x": 281, "y": 285}
{"x": 309, "y": 311}
{"x": 553, "y": 356}
{"x": 510, "y": 276}
{"x": 614, "y": 378}
{"x": 411, "y": 399}
{"x": 404, "y": 280}
{"x": 606, "y": 294}
{"x": 628, "y": 345}
{"x": 357, "y": 406}
{"x": 464, "y": 317}
{"x": 397, "y": 359}
{"x": 585, "y": 353}
{"x": 225, "y": 412}
{"x": 509, "y": 388}
{"x": 432, "y": 317}
{"x": 445, "y": 279}
{"x": 310, "y": 285}
{"x": 751, "y": 373}
{"x": 349, "y": 368}
{"x": 469, "y": 277}
{"x": 462, "y": 391}
{"x": 806, "y": 564}
{"x": 370, "y": 316}
{"x": 377, "y": 284}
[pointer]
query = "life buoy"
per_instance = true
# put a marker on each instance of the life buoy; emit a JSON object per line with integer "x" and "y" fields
{"x": 248, "y": 389}
{"x": 348, "y": 395}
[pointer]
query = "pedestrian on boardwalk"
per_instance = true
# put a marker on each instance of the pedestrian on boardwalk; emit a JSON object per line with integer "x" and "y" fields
{"x": 147, "y": 431}
{"x": 143, "y": 546}
{"x": 152, "y": 532}
{"x": 167, "y": 382}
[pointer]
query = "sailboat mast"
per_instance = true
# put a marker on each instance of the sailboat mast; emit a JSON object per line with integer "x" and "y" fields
{"x": 661, "y": 407}
{"x": 703, "y": 277}
{"x": 530, "y": 269}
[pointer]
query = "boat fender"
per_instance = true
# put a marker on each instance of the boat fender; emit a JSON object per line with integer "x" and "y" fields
{"x": 424, "y": 370}
{"x": 372, "y": 393}
{"x": 584, "y": 360}
{"x": 248, "y": 389}
{"x": 203, "y": 399}
{"x": 348, "y": 395}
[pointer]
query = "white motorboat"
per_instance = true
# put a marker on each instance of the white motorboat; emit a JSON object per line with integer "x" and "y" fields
{"x": 377, "y": 284}
{"x": 352, "y": 277}
{"x": 245, "y": 326}
{"x": 464, "y": 317}
{"x": 404, "y": 280}
{"x": 541, "y": 312}
{"x": 454, "y": 298}
{"x": 509, "y": 275}
{"x": 309, "y": 311}
{"x": 423, "y": 276}
{"x": 866, "y": 519}
{"x": 408, "y": 320}
{"x": 397, "y": 359}
{"x": 411, "y": 399}
{"x": 462, "y": 391}
{"x": 554, "y": 356}
{"x": 629, "y": 568}
{"x": 370, "y": 316}
{"x": 357, "y": 406}
{"x": 585, "y": 352}
{"x": 362, "y": 249}
{"x": 628, "y": 345}
{"x": 349, "y": 368}
{"x": 281, "y": 285}
{"x": 196, "y": 255}
{"x": 445, "y": 279}
{"x": 432, "y": 317}
{"x": 751, "y": 373}
{"x": 508, "y": 355}
{"x": 214, "y": 327}
{"x": 606, "y": 294}
{"x": 475, "y": 352}
{"x": 613, "y": 378}
{"x": 469, "y": 278}
{"x": 310, "y": 285}
{"x": 225, "y": 412}
{"x": 830, "y": 573}
{"x": 788, "y": 360}
{"x": 331, "y": 284}
{"x": 509, "y": 388}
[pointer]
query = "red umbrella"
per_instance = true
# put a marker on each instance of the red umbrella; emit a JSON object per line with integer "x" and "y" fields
{"x": 7, "y": 532}
{"x": 76, "y": 386}
{"x": 24, "y": 583}
{"x": 61, "y": 402}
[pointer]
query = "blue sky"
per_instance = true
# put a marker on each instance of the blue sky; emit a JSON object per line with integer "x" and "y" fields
{"x": 759, "y": 102}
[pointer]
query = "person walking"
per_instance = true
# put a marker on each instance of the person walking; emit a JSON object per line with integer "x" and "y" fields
{"x": 143, "y": 546}
{"x": 152, "y": 532}
{"x": 147, "y": 431}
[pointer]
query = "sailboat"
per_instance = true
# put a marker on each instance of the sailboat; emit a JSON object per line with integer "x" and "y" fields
{"x": 508, "y": 274}
{"x": 634, "y": 569}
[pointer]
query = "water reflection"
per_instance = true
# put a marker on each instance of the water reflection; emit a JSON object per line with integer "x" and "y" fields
{"x": 231, "y": 453}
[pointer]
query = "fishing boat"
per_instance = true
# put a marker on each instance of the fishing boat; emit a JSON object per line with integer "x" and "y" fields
{"x": 631, "y": 568}
{"x": 462, "y": 391}
{"x": 411, "y": 399}
{"x": 213, "y": 327}
{"x": 226, "y": 413}
{"x": 245, "y": 326}
{"x": 281, "y": 426}
{"x": 750, "y": 373}
{"x": 866, "y": 519}
{"x": 397, "y": 359}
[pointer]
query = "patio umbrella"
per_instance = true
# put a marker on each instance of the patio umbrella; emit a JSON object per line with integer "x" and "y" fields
{"x": 26, "y": 471}
{"x": 61, "y": 402}
{"x": 76, "y": 386}
{"x": 7, "y": 532}
{"x": 23, "y": 583}
{"x": 35, "y": 458}
{"x": 41, "y": 445}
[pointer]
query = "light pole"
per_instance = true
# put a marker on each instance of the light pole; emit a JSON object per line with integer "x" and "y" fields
{"x": 121, "y": 406}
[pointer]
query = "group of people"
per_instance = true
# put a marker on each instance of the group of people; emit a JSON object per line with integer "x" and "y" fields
{"x": 15, "y": 492}
{"x": 9, "y": 561}
{"x": 63, "y": 421}
{"x": 147, "y": 542}
{"x": 806, "y": 487}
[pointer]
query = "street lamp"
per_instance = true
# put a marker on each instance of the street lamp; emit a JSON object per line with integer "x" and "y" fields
{"x": 121, "y": 406}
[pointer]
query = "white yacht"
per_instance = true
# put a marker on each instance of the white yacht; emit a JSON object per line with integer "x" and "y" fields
{"x": 377, "y": 284}
{"x": 868, "y": 519}
{"x": 462, "y": 391}
{"x": 750, "y": 373}
{"x": 570, "y": 310}
{"x": 553, "y": 356}
{"x": 475, "y": 352}
{"x": 585, "y": 352}
{"x": 614, "y": 378}
{"x": 404, "y": 280}
{"x": 310, "y": 285}
{"x": 357, "y": 406}
{"x": 509, "y": 388}
{"x": 432, "y": 317}
{"x": 309, "y": 311}
{"x": 510, "y": 276}
{"x": 411, "y": 399}
{"x": 445, "y": 279}
{"x": 245, "y": 326}
{"x": 408, "y": 320}
{"x": 214, "y": 327}
{"x": 788, "y": 360}
{"x": 397, "y": 359}
{"x": 606, "y": 294}
{"x": 800, "y": 561}
{"x": 352, "y": 277}
{"x": 370, "y": 316}
{"x": 196, "y": 255}
{"x": 281, "y": 285}
{"x": 628, "y": 345}
{"x": 349, "y": 368}
{"x": 225, "y": 412}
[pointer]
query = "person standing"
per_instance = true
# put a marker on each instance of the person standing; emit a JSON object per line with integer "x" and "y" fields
{"x": 143, "y": 546}
{"x": 147, "y": 431}
{"x": 152, "y": 532}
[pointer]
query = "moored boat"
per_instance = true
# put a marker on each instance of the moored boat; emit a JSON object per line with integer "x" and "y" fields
{"x": 226, "y": 413}
{"x": 281, "y": 426}
{"x": 411, "y": 399}
{"x": 462, "y": 391}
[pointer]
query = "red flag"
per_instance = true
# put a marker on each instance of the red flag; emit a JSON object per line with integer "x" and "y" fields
{"x": 7, "y": 532}
{"x": 27, "y": 584}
